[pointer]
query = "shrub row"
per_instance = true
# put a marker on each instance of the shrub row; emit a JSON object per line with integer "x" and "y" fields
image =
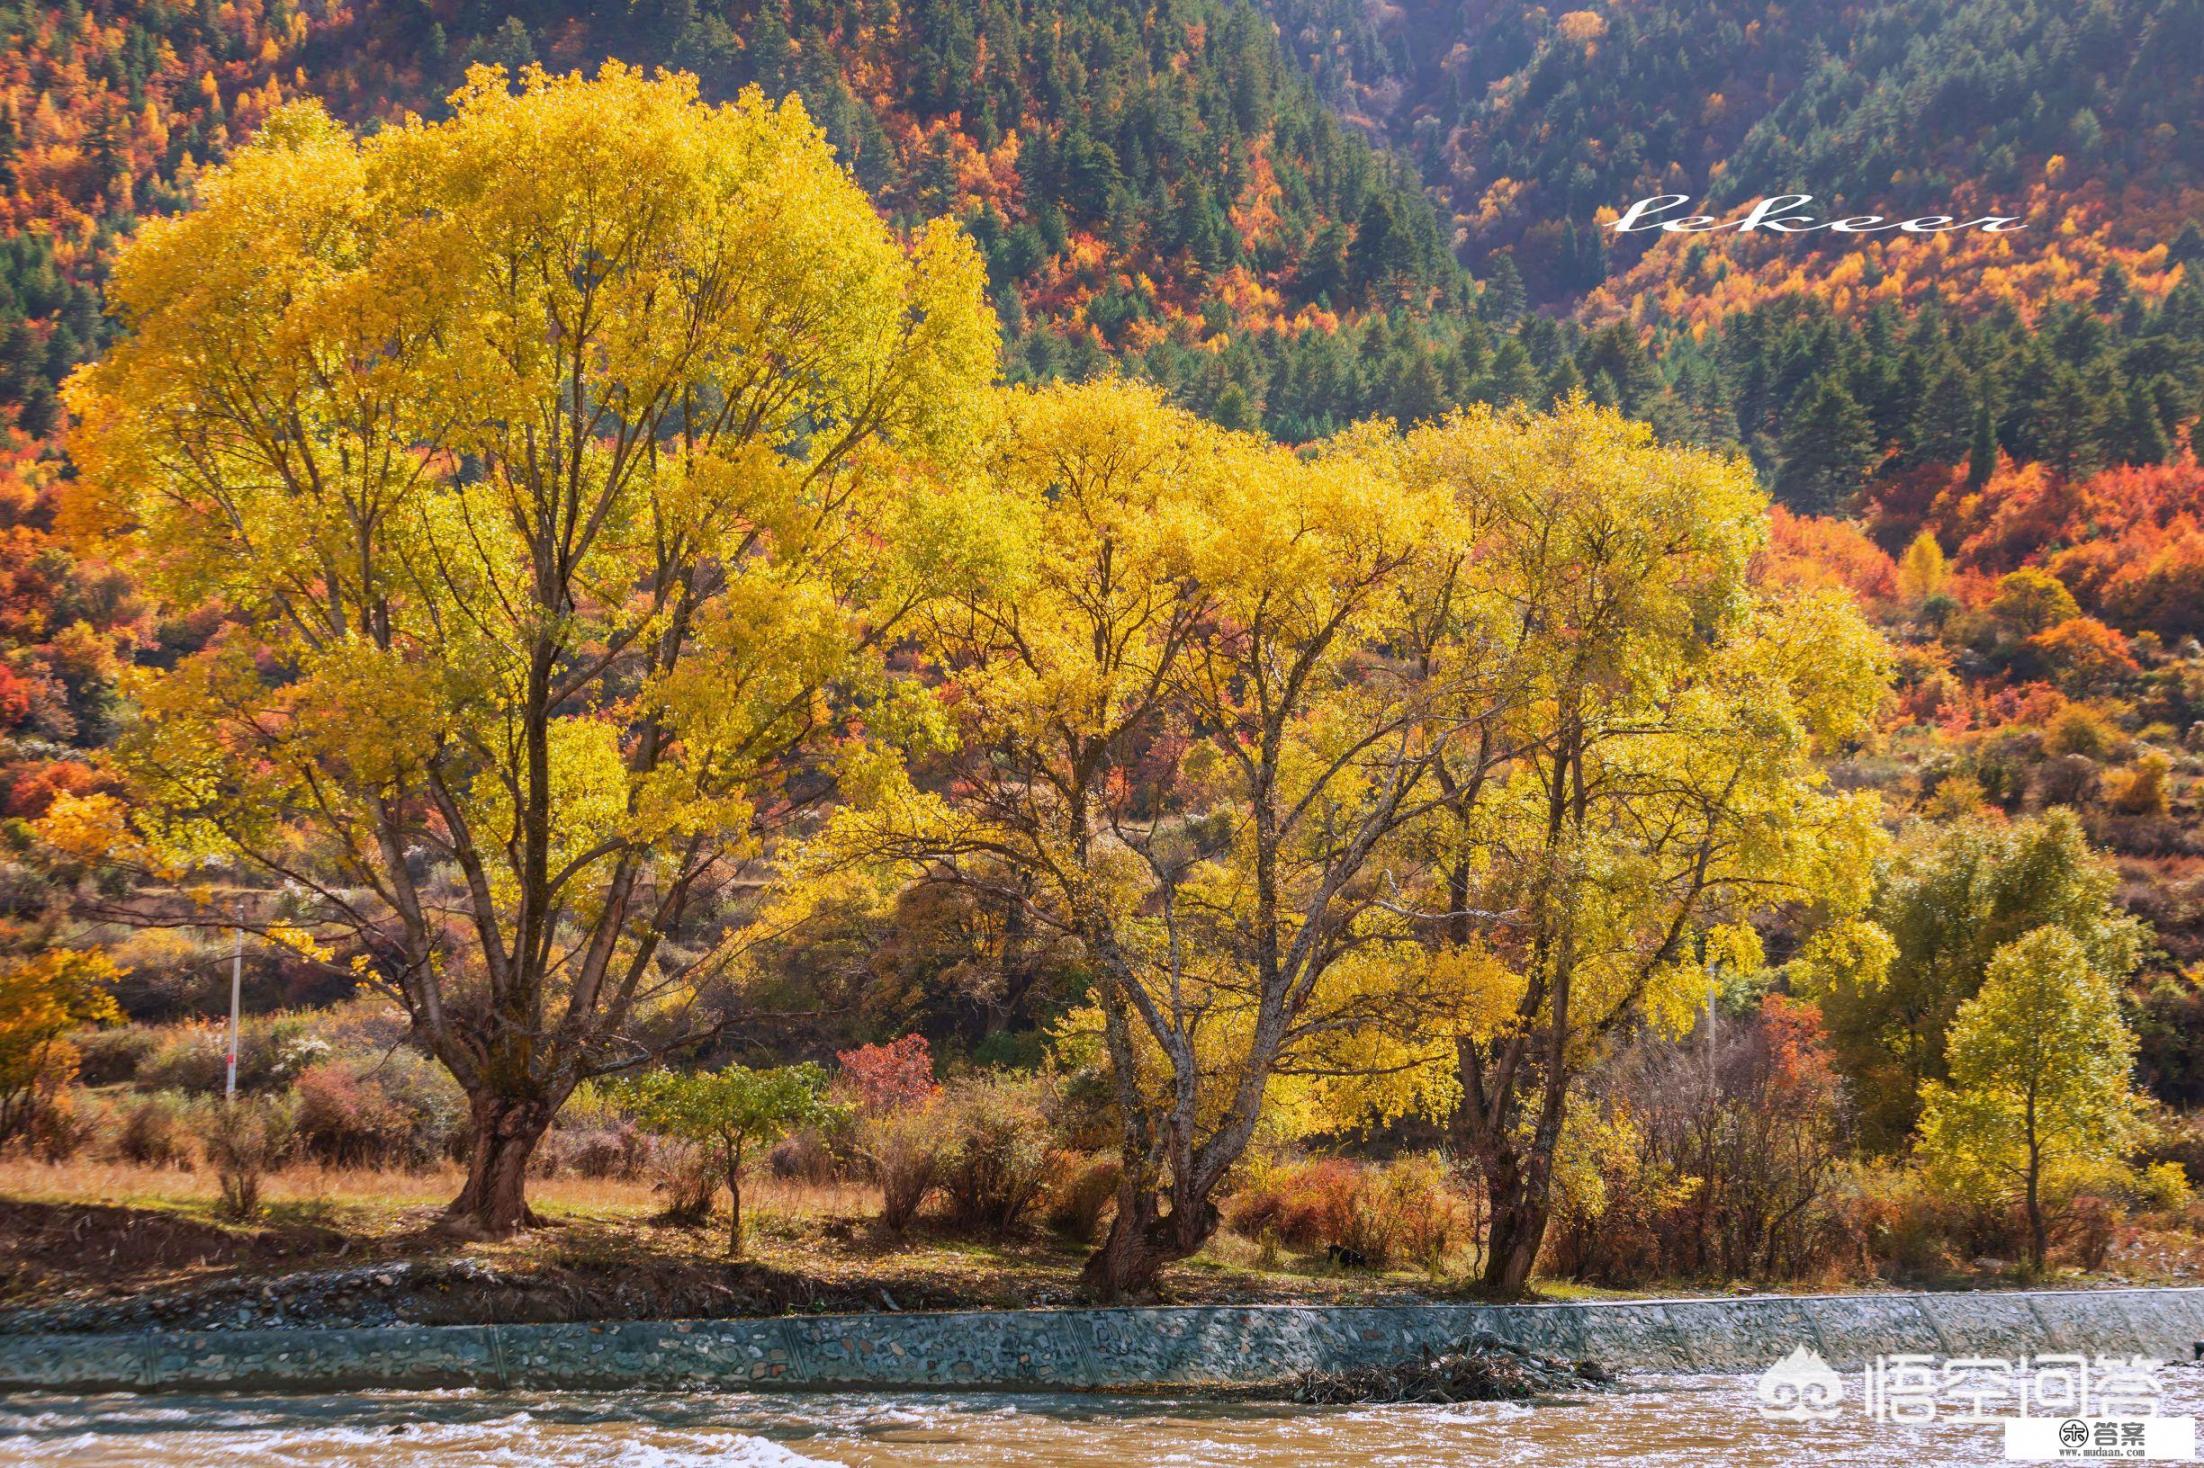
{"x": 1414, "y": 1210}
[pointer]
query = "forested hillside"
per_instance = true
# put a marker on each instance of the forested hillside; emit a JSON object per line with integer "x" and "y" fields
{"x": 1151, "y": 181}
{"x": 1167, "y": 186}
{"x": 1530, "y": 121}
{"x": 1161, "y": 185}
{"x": 1957, "y": 664}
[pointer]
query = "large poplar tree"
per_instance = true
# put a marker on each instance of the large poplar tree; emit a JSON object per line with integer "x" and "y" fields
{"x": 535, "y": 459}
{"x": 1174, "y": 720}
{"x": 1630, "y": 775}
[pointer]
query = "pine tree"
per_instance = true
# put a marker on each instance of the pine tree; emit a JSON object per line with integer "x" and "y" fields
{"x": 1828, "y": 447}
{"x": 2137, "y": 437}
{"x": 2188, "y": 246}
{"x": 1563, "y": 380}
{"x": 2070, "y": 422}
{"x": 1943, "y": 420}
{"x": 2112, "y": 289}
{"x": 1512, "y": 377}
{"x": 1503, "y": 297}
{"x": 1982, "y": 453}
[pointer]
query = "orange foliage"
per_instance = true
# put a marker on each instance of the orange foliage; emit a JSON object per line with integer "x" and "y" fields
{"x": 88, "y": 149}
{"x": 2084, "y": 655}
{"x": 2128, "y": 542}
{"x": 1807, "y": 551}
{"x": 31, "y": 785}
{"x": 2073, "y": 233}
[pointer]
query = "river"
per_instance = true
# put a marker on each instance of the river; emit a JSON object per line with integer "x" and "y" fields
{"x": 1670, "y": 1421}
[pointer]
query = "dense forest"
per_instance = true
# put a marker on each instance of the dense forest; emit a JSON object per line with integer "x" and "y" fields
{"x": 1165, "y": 187}
{"x": 1529, "y": 122}
{"x": 1291, "y": 218}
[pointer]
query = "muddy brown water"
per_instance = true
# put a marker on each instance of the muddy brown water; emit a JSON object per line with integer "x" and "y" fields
{"x": 1672, "y": 1421}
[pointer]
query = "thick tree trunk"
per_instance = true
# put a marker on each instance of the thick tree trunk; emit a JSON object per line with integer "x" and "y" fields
{"x": 494, "y": 1202}
{"x": 1141, "y": 1241}
{"x": 1517, "y": 1172}
{"x": 1518, "y": 1228}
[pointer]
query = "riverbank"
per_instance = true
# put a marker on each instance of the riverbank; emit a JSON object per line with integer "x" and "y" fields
{"x": 124, "y": 1248}
{"x": 71, "y": 1267}
{"x": 1115, "y": 1349}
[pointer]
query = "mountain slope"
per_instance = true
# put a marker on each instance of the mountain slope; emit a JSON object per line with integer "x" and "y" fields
{"x": 1530, "y": 123}
{"x": 1141, "y": 176}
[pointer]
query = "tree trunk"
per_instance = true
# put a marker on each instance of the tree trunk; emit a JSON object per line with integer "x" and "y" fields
{"x": 1518, "y": 1176}
{"x": 734, "y": 1202}
{"x": 2038, "y": 1236}
{"x": 1518, "y": 1228}
{"x": 1141, "y": 1240}
{"x": 494, "y": 1202}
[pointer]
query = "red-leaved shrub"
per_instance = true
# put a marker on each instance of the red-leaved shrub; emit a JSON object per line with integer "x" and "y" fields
{"x": 888, "y": 1077}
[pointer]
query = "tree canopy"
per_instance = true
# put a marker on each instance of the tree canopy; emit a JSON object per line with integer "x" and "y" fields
{"x": 1945, "y": 904}
{"x": 536, "y": 457}
{"x": 2040, "y": 1098}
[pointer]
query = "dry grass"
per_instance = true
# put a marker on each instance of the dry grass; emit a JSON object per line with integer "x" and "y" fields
{"x": 808, "y": 1246}
{"x": 365, "y": 1191}
{"x": 93, "y": 1228}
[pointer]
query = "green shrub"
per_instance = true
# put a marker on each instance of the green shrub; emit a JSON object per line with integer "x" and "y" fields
{"x": 111, "y": 1056}
{"x": 733, "y": 1113}
{"x": 996, "y": 1158}
{"x": 158, "y": 1130}
{"x": 245, "y": 1138}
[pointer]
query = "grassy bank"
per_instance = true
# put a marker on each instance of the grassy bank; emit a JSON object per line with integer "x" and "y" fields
{"x": 89, "y": 1237}
{"x": 116, "y": 1245}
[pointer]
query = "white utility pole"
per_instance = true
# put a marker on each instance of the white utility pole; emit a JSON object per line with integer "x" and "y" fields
{"x": 1713, "y": 1083}
{"x": 237, "y": 985}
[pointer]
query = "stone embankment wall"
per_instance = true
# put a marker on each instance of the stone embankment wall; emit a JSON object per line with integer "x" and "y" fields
{"x": 1102, "y": 1349}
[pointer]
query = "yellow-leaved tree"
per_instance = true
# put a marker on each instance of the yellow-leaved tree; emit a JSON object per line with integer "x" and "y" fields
{"x": 2041, "y": 1100}
{"x": 1180, "y": 741}
{"x": 1630, "y": 772}
{"x": 45, "y": 996}
{"x": 537, "y": 459}
{"x": 1922, "y": 570}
